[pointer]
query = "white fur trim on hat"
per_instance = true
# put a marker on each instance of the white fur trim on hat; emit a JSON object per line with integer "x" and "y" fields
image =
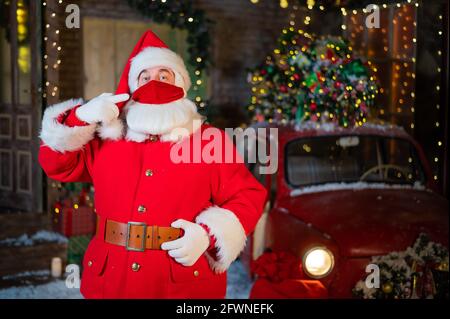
{"x": 60, "y": 137}
{"x": 154, "y": 56}
{"x": 229, "y": 233}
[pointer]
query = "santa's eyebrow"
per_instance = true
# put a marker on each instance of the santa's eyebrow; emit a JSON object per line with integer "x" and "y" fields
{"x": 167, "y": 70}
{"x": 143, "y": 71}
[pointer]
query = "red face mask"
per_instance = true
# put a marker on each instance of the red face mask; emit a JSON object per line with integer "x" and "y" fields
{"x": 157, "y": 92}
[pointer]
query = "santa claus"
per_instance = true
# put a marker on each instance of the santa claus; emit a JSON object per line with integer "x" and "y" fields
{"x": 165, "y": 229}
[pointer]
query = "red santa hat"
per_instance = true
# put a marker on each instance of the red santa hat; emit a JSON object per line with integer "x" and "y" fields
{"x": 151, "y": 51}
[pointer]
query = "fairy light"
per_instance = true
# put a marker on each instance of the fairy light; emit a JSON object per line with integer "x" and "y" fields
{"x": 437, "y": 90}
{"x": 53, "y": 49}
{"x": 307, "y": 20}
{"x": 292, "y": 17}
{"x": 403, "y": 50}
{"x": 414, "y": 53}
{"x": 198, "y": 81}
{"x": 284, "y": 4}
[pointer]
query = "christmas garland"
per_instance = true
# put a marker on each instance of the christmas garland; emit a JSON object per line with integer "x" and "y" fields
{"x": 312, "y": 79}
{"x": 181, "y": 14}
{"x": 421, "y": 271}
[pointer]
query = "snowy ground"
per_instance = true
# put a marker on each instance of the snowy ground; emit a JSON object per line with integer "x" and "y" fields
{"x": 42, "y": 236}
{"x": 239, "y": 286}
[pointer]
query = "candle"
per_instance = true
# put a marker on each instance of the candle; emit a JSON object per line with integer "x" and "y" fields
{"x": 56, "y": 267}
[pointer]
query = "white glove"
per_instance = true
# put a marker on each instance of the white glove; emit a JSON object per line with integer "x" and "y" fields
{"x": 102, "y": 108}
{"x": 187, "y": 249}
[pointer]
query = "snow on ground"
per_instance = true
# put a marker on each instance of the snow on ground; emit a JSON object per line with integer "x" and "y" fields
{"x": 32, "y": 273}
{"x": 353, "y": 186}
{"x": 239, "y": 283}
{"x": 53, "y": 290}
{"x": 239, "y": 286}
{"x": 42, "y": 236}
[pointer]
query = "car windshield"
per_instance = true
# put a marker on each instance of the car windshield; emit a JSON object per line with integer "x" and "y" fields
{"x": 335, "y": 159}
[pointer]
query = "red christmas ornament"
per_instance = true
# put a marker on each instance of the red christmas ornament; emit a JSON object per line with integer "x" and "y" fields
{"x": 313, "y": 106}
{"x": 330, "y": 54}
{"x": 320, "y": 77}
{"x": 58, "y": 205}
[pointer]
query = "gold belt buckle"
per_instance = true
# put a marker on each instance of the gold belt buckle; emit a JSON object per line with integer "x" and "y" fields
{"x": 129, "y": 224}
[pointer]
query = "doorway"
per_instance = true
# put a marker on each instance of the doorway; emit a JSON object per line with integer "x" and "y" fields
{"x": 20, "y": 106}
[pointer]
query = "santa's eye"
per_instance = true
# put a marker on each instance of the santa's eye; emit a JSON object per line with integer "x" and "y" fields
{"x": 163, "y": 77}
{"x": 145, "y": 78}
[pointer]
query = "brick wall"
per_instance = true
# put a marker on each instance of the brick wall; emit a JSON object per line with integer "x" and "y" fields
{"x": 71, "y": 76}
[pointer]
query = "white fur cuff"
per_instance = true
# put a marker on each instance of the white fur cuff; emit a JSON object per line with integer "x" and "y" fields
{"x": 229, "y": 233}
{"x": 112, "y": 130}
{"x": 60, "y": 137}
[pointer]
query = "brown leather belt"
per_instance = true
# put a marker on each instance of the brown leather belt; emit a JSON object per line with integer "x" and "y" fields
{"x": 136, "y": 236}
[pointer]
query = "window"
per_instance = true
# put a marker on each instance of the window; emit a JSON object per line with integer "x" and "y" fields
{"x": 392, "y": 50}
{"x": 337, "y": 159}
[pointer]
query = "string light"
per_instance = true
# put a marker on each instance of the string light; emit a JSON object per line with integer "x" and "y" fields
{"x": 284, "y": 4}
{"x": 439, "y": 144}
{"x": 53, "y": 49}
{"x": 403, "y": 49}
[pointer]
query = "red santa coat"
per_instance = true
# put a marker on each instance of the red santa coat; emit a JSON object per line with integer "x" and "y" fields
{"x": 223, "y": 196}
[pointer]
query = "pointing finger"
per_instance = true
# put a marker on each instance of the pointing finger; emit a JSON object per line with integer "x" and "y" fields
{"x": 118, "y": 98}
{"x": 105, "y": 94}
{"x": 179, "y": 223}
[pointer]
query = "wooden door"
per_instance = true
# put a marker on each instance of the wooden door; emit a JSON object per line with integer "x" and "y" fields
{"x": 20, "y": 107}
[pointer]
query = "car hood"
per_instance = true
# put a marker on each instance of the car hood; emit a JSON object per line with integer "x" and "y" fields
{"x": 373, "y": 222}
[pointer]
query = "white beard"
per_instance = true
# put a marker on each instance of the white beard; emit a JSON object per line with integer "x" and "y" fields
{"x": 158, "y": 119}
{"x": 143, "y": 120}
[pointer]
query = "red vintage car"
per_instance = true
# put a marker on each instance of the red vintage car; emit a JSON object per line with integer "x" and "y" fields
{"x": 341, "y": 196}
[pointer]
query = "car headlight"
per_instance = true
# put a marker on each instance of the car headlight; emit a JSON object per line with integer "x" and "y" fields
{"x": 318, "y": 262}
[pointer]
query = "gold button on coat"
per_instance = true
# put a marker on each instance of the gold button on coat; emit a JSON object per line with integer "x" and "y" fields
{"x": 153, "y": 138}
{"x": 135, "y": 267}
{"x": 149, "y": 172}
{"x": 196, "y": 273}
{"x": 141, "y": 209}
{"x": 90, "y": 263}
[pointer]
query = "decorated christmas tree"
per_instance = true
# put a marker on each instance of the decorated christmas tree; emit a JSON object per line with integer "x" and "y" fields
{"x": 312, "y": 79}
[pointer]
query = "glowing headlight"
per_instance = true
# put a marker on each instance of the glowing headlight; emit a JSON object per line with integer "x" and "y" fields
{"x": 318, "y": 262}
